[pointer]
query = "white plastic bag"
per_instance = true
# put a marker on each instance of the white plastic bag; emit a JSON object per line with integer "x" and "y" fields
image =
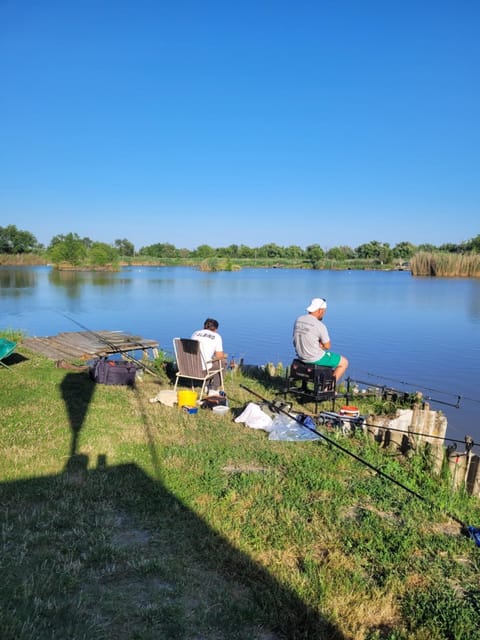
{"x": 254, "y": 417}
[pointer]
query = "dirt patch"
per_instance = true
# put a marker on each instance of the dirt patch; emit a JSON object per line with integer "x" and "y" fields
{"x": 246, "y": 467}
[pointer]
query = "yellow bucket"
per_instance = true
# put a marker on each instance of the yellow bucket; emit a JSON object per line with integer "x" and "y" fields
{"x": 186, "y": 398}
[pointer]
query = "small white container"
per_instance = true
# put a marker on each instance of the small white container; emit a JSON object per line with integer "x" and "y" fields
{"x": 220, "y": 409}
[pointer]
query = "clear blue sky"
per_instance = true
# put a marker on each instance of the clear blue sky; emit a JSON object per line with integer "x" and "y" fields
{"x": 321, "y": 121}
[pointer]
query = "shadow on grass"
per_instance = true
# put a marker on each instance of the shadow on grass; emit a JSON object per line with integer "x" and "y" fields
{"x": 13, "y": 359}
{"x": 77, "y": 391}
{"x": 109, "y": 552}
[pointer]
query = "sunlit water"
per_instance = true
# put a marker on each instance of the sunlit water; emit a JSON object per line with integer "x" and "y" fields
{"x": 408, "y": 333}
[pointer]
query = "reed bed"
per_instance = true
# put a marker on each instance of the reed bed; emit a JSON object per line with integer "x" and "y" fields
{"x": 22, "y": 259}
{"x": 447, "y": 265}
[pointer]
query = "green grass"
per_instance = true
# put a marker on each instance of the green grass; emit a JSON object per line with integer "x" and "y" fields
{"x": 125, "y": 519}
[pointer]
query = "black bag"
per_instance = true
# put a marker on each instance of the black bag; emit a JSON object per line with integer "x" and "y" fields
{"x": 106, "y": 371}
{"x": 214, "y": 401}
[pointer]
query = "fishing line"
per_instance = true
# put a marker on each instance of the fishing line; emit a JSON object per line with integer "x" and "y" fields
{"x": 459, "y": 396}
{"x": 473, "y": 532}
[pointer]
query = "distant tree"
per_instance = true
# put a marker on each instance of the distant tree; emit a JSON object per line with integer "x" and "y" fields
{"x": 101, "y": 254}
{"x": 340, "y": 253}
{"x": 426, "y": 248}
{"x": 449, "y": 247}
{"x": 204, "y": 251}
{"x": 294, "y": 252}
{"x": 167, "y": 250}
{"x": 230, "y": 252}
{"x": 472, "y": 245}
{"x": 270, "y": 250}
{"x": 379, "y": 251}
{"x": 13, "y": 240}
{"x": 88, "y": 243}
{"x": 367, "y": 250}
{"x": 125, "y": 247}
{"x": 159, "y": 250}
{"x": 69, "y": 248}
{"x": 57, "y": 239}
{"x": 314, "y": 253}
{"x": 245, "y": 252}
{"x": 403, "y": 250}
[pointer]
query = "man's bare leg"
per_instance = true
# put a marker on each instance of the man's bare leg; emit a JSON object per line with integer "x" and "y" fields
{"x": 340, "y": 370}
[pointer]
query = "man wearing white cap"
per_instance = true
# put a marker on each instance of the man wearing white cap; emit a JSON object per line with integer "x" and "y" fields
{"x": 312, "y": 341}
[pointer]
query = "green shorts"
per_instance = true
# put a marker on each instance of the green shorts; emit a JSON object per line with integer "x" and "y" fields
{"x": 329, "y": 359}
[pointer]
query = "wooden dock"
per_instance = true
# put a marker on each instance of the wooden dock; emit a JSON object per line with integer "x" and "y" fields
{"x": 85, "y": 345}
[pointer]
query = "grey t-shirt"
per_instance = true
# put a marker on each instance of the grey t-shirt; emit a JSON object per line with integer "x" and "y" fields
{"x": 308, "y": 332}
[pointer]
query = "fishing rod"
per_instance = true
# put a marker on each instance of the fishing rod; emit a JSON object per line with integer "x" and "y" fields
{"x": 384, "y": 388}
{"x": 329, "y": 416}
{"x": 338, "y": 417}
{"x": 411, "y": 384}
{"x": 473, "y": 532}
{"x": 112, "y": 345}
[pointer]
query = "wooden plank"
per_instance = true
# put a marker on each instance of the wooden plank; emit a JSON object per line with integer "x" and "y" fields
{"x": 67, "y": 346}
{"x": 85, "y": 344}
{"x": 47, "y": 348}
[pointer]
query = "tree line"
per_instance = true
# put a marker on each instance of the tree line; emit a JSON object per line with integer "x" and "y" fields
{"x": 77, "y": 250}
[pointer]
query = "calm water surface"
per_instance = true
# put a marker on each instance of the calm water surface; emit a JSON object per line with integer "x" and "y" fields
{"x": 393, "y": 328}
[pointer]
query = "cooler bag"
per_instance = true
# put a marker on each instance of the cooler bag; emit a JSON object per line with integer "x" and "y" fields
{"x": 106, "y": 371}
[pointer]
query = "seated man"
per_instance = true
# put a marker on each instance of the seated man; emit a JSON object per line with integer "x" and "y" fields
{"x": 211, "y": 345}
{"x": 312, "y": 341}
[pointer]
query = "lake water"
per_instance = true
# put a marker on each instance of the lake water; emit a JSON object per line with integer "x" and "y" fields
{"x": 408, "y": 333}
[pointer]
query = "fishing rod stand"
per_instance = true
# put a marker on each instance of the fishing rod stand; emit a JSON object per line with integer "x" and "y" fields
{"x": 385, "y": 392}
{"x": 347, "y": 424}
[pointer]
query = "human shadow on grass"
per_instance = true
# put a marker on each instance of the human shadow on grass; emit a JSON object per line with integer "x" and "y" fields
{"x": 109, "y": 552}
{"x": 77, "y": 390}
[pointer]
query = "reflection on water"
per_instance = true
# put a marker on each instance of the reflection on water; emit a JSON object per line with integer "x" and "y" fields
{"x": 474, "y": 306}
{"x": 75, "y": 281}
{"x": 14, "y": 280}
{"x": 423, "y": 331}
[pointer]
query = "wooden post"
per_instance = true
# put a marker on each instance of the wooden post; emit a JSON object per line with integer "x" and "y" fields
{"x": 472, "y": 481}
{"x": 457, "y": 463}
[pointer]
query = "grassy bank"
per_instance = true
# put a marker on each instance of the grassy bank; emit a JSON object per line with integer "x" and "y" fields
{"x": 130, "y": 520}
{"x": 214, "y": 263}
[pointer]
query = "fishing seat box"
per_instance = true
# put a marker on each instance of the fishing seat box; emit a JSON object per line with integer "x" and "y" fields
{"x": 310, "y": 381}
{"x": 106, "y": 371}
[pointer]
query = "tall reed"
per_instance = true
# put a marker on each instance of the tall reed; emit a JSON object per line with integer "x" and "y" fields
{"x": 22, "y": 259}
{"x": 446, "y": 265}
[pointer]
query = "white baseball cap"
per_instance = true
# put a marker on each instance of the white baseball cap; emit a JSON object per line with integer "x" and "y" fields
{"x": 317, "y": 303}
